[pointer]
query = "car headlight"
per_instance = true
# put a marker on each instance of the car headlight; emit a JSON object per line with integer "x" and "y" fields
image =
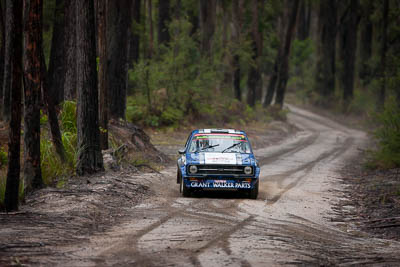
{"x": 193, "y": 169}
{"x": 248, "y": 170}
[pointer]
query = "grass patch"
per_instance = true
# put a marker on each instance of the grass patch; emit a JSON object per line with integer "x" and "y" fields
{"x": 52, "y": 167}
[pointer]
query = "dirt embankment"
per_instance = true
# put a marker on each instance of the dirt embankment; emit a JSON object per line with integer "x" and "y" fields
{"x": 375, "y": 198}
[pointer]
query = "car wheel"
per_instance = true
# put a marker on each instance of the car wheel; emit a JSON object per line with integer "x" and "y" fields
{"x": 254, "y": 191}
{"x": 183, "y": 189}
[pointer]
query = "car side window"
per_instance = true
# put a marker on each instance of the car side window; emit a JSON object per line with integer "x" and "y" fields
{"x": 187, "y": 141}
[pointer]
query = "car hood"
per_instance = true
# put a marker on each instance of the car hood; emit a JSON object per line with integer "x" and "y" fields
{"x": 220, "y": 158}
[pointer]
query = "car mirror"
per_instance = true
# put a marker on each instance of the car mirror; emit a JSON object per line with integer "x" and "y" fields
{"x": 181, "y": 151}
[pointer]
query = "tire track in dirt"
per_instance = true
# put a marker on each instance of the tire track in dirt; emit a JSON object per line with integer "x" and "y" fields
{"x": 306, "y": 168}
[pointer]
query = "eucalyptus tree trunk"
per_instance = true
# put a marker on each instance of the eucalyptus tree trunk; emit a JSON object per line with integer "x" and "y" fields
{"x": 348, "y": 48}
{"x": 14, "y": 26}
{"x": 237, "y": 9}
{"x": 51, "y": 113}
{"x": 134, "y": 39}
{"x": 9, "y": 19}
{"x": 207, "y": 13}
{"x": 284, "y": 67}
{"x": 2, "y": 55}
{"x": 254, "y": 77}
{"x": 366, "y": 40}
{"x": 384, "y": 47}
{"x": 325, "y": 70}
{"x": 56, "y": 72}
{"x": 103, "y": 90}
{"x": 118, "y": 28}
{"x": 70, "y": 82}
{"x": 163, "y": 20}
{"x": 32, "y": 86}
{"x": 304, "y": 19}
{"x": 90, "y": 159}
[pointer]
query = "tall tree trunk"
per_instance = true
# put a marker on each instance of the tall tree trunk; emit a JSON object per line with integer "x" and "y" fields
{"x": 51, "y": 113}
{"x": 254, "y": 78}
{"x": 151, "y": 30}
{"x": 382, "y": 90}
{"x": 32, "y": 85}
{"x": 118, "y": 27}
{"x": 236, "y": 78}
{"x": 6, "y": 105}
{"x": 102, "y": 45}
{"x": 90, "y": 159}
{"x": 2, "y": 55}
{"x": 284, "y": 68}
{"x": 366, "y": 40}
{"x": 272, "y": 83}
{"x": 163, "y": 21}
{"x": 325, "y": 70}
{"x": 304, "y": 19}
{"x": 70, "y": 82}
{"x": 56, "y": 71}
{"x": 281, "y": 31}
{"x": 237, "y": 16}
{"x": 207, "y": 24}
{"x": 348, "y": 48}
{"x": 134, "y": 33}
{"x": 14, "y": 26}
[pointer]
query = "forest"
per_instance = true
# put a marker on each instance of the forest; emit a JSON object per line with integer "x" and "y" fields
{"x": 68, "y": 68}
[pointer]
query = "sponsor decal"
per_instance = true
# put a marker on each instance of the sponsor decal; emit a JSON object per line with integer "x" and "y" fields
{"x": 220, "y": 158}
{"x": 220, "y": 184}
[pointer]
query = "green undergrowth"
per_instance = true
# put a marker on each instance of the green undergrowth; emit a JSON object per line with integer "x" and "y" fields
{"x": 215, "y": 113}
{"x": 387, "y": 135}
{"x": 52, "y": 167}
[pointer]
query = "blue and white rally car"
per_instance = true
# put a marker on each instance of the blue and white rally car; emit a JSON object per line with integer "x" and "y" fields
{"x": 218, "y": 159}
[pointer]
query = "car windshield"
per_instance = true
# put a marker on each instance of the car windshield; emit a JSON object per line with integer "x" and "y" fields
{"x": 226, "y": 143}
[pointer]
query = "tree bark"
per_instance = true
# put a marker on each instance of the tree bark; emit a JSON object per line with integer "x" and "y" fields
{"x": 151, "y": 30}
{"x": 163, "y": 21}
{"x": 6, "y": 105}
{"x": 2, "y": 55}
{"x": 326, "y": 68}
{"x": 237, "y": 16}
{"x": 366, "y": 40}
{"x": 56, "y": 73}
{"x": 254, "y": 78}
{"x": 384, "y": 47}
{"x": 32, "y": 85}
{"x": 134, "y": 39}
{"x": 284, "y": 68}
{"x": 102, "y": 46}
{"x": 90, "y": 159}
{"x": 51, "y": 113}
{"x": 14, "y": 27}
{"x": 272, "y": 83}
{"x": 207, "y": 24}
{"x": 348, "y": 48}
{"x": 304, "y": 19}
{"x": 70, "y": 82}
{"x": 118, "y": 26}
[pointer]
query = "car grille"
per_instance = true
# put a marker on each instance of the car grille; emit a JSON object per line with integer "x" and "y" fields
{"x": 220, "y": 169}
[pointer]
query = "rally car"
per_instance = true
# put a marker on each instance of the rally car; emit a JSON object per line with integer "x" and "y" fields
{"x": 218, "y": 159}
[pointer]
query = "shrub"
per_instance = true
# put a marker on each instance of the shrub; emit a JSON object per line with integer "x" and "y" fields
{"x": 3, "y": 157}
{"x": 388, "y": 137}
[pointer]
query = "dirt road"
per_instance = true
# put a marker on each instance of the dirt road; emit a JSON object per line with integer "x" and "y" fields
{"x": 290, "y": 223}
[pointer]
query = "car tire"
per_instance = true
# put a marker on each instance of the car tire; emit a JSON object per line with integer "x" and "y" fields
{"x": 183, "y": 189}
{"x": 254, "y": 191}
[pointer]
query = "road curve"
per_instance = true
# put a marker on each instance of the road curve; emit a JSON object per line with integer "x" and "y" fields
{"x": 288, "y": 224}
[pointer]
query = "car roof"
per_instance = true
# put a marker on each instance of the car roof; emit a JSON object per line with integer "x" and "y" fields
{"x": 228, "y": 131}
